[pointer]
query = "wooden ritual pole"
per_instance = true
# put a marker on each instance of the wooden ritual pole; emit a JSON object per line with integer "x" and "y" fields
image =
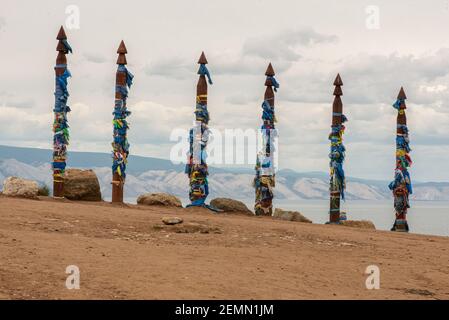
{"x": 264, "y": 182}
{"x": 60, "y": 125}
{"x": 196, "y": 167}
{"x": 120, "y": 145}
{"x": 337, "y": 154}
{"x": 401, "y": 186}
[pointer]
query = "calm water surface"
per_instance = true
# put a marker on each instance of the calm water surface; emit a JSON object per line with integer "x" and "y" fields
{"x": 424, "y": 217}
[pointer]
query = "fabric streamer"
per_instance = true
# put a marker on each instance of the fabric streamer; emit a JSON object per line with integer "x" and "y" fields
{"x": 264, "y": 181}
{"x": 337, "y": 183}
{"x": 337, "y": 157}
{"x": 401, "y": 186}
{"x": 196, "y": 166}
{"x": 120, "y": 144}
{"x": 203, "y": 71}
{"x": 61, "y": 135}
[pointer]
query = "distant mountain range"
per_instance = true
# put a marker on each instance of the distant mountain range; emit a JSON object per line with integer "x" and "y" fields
{"x": 146, "y": 174}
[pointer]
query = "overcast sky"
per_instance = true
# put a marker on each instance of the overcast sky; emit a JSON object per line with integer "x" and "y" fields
{"x": 308, "y": 42}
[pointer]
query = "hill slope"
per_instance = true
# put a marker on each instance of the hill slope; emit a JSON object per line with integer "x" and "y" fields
{"x": 158, "y": 175}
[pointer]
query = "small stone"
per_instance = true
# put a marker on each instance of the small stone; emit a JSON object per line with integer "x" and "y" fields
{"x": 172, "y": 220}
{"x": 189, "y": 227}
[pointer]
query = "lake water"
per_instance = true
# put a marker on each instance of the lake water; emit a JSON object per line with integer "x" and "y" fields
{"x": 424, "y": 217}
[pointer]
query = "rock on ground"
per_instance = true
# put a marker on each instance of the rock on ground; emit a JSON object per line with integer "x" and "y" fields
{"x": 172, "y": 220}
{"x": 81, "y": 185}
{"x": 363, "y": 224}
{"x": 159, "y": 199}
{"x": 230, "y": 205}
{"x": 190, "y": 227}
{"x": 18, "y": 187}
{"x": 290, "y": 216}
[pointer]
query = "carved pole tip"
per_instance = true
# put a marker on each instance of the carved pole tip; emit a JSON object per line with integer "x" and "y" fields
{"x": 401, "y": 94}
{"x": 270, "y": 70}
{"x": 337, "y": 81}
{"x": 202, "y": 59}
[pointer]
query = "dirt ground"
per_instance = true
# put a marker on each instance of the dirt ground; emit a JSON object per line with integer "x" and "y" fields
{"x": 125, "y": 252}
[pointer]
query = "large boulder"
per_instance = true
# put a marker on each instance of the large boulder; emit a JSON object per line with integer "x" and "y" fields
{"x": 230, "y": 205}
{"x": 290, "y": 216}
{"x": 363, "y": 224}
{"x": 159, "y": 199}
{"x": 18, "y": 187}
{"x": 81, "y": 185}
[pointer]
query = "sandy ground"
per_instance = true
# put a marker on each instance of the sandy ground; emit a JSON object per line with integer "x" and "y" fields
{"x": 124, "y": 253}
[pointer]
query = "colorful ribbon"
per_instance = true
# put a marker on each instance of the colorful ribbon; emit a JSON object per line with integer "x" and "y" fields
{"x": 196, "y": 166}
{"x": 264, "y": 180}
{"x": 120, "y": 145}
{"x": 337, "y": 157}
{"x": 60, "y": 125}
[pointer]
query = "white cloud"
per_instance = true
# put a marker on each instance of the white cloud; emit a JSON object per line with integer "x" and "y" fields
{"x": 284, "y": 45}
{"x": 239, "y": 39}
{"x": 173, "y": 67}
{"x": 94, "y": 57}
{"x": 14, "y": 100}
{"x": 2, "y": 23}
{"x": 152, "y": 122}
{"x": 378, "y": 78}
{"x": 241, "y": 98}
{"x": 251, "y": 59}
{"x": 20, "y": 124}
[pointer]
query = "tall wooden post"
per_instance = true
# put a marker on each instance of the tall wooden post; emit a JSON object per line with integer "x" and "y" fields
{"x": 264, "y": 182}
{"x": 337, "y": 154}
{"x": 60, "y": 125}
{"x": 120, "y": 145}
{"x": 401, "y": 186}
{"x": 196, "y": 167}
